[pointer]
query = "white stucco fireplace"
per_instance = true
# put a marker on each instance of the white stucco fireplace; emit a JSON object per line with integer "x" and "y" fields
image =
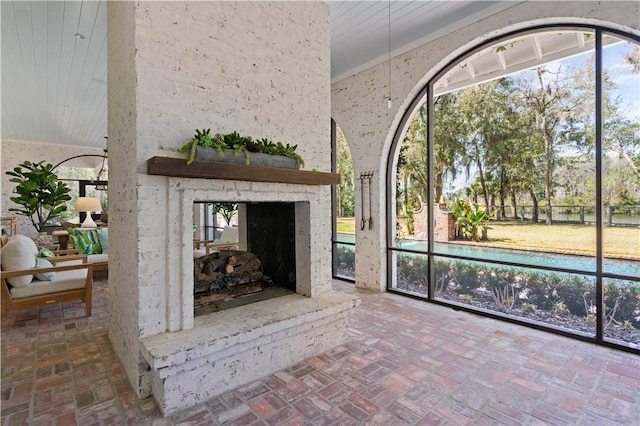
{"x": 200, "y": 357}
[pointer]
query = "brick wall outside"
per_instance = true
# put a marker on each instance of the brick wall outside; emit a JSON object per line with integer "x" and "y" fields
{"x": 444, "y": 227}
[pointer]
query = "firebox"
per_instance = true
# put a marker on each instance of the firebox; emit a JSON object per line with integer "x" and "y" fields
{"x": 267, "y": 268}
{"x": 271, "y": 235}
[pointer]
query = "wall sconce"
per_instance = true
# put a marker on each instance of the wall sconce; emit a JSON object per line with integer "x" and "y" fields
{"x": 88, "y": 205}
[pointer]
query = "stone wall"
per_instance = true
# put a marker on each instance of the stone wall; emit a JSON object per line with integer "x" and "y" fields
{"x": 359, "y": 103}
{"x": 258, "y": 68}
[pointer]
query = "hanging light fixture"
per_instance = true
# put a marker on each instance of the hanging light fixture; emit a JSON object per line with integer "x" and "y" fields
{"x": 389, "y": 58}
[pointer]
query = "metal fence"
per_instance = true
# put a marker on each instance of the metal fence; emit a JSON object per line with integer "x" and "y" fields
{"x": 612, "y": 215}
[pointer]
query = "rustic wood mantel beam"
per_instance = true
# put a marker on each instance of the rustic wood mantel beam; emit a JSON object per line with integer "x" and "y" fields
{"x": 178, "y": 167}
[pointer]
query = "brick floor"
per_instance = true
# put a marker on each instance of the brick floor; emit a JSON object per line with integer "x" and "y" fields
{"x": 407, "y": 362}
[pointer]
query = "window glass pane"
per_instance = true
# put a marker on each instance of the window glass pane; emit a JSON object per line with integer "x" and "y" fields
{"x": 559, "y": 300}
{"x": 411, "y": 273}
{"x": 345, "y": 260}
{"x": 621, "y": 157}
{"x": 411, "y": 213}
{"x": 622, "y": 311}
{"x": 345, "y": 222}
{"x": 514, "y": 153}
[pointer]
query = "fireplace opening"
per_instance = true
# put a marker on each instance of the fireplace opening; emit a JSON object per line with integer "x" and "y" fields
{"x": 261, "y": 266}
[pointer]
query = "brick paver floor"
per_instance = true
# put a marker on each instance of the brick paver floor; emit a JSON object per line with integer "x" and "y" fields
{"x": 407, "y": 362}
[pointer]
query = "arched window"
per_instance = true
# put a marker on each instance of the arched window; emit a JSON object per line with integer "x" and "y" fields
{"x": 344, "y": 238}
{"x": 515, "y": 184}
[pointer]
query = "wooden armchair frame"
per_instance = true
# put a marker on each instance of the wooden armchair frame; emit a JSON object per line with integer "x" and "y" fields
{"x": 10, "y": 304}
{"x": 97, "y": 266}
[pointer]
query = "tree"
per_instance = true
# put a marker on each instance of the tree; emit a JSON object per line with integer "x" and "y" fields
{"x": 344, "y": 165}
{"x": 449, "y": 141}
{"x": 552, "y": 107}
{"x": 40, "y": 193}
{"x": 226, "y": 210}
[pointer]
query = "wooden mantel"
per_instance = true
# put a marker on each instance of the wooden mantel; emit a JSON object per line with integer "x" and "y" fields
{"x": 178, "y": 167}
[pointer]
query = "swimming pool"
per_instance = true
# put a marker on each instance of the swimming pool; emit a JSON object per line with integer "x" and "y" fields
{"x": 625, "y": 267}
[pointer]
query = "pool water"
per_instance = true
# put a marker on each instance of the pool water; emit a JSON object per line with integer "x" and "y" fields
{"x": 625, "y": 267}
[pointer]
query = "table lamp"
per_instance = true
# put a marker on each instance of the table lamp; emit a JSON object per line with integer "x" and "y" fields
{"x": 88, "y": 205}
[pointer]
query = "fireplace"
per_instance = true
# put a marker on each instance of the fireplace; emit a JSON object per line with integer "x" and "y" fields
{"x": 266, "y": 269}
{"x": 287, "y": 225}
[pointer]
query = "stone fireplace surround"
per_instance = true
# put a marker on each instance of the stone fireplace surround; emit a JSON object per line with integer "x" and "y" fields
{"x": 198, "y": 358}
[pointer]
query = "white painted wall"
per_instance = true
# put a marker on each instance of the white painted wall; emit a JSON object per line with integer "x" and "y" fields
{"x": 359, "y": 102}
{"x": 258, "y": 68}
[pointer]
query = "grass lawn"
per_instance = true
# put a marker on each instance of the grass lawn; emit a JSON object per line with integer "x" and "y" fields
{"x": 617, "y": 240}
{"x": 346, "y": 225}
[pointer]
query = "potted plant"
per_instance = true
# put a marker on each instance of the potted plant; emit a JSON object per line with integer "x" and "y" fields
{"x": 228, "y": 147}
{"x": 41, "y": 196}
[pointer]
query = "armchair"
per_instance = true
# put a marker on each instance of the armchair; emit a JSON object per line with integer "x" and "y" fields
{"x": 73, "y": 280}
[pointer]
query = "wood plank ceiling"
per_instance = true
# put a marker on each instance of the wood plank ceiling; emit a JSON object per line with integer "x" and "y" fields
{"x": 53, "y": 75}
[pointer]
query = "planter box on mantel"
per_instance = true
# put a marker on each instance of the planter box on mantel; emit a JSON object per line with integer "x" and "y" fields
{"x": 255, "y": 158}
{"x": 178, "y": 167}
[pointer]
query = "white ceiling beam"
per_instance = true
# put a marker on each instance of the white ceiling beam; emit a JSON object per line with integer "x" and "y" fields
{"x": 537, "y": 47}
{"x": 502, "y": 60}
{"x": 471, "y": 71}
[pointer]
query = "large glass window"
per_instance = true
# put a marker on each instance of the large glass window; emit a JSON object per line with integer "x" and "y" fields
{"x": 344, "y": 226}
{"x": 516, "y": 185}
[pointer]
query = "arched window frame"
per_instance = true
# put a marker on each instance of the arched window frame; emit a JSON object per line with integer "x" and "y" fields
{"x": 426, "y": 94}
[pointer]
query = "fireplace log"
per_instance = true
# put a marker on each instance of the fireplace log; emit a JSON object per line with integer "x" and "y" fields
{"x": 214, "y": 273}
{"x": 232, "y": 260}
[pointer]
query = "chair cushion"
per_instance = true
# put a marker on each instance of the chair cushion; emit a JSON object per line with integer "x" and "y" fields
{"x": 103, "y": 238}
{"x": 45, "y": 252}
{"x": 19, "y": 253}
{"x": 85, "y": 240}
{"x": 44, "y": 276}
{"x": 64, "y": 280}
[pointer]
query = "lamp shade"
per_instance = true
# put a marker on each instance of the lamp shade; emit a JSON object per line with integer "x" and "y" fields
{"x": 88, "y": 204}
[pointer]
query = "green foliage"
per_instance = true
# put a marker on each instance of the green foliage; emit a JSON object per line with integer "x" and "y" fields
{"x": 560, "y": 309}
{"x": 239, "y": 144}
{"x": 227, "y": 210}
{"x": 278, "y": 148}
{"x": 344, "y": 166}
{"x": 529, "y": 290}
{"x": 471, "y": 219}
{"x": 466, "y": 298}
{"x": 346, "y": 261}
{"x": 40, "y": 193}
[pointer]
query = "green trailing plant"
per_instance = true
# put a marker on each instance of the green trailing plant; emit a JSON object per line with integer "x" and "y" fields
{"x": 41, "y": 196}
{"x": 239, "y": 144}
